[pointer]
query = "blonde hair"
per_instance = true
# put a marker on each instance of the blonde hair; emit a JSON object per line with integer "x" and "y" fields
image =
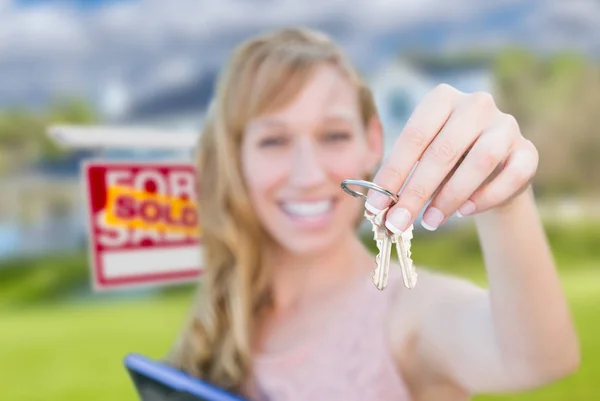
{"x": 263, "y": 74}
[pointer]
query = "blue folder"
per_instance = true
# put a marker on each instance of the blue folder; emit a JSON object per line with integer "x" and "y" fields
{"x": 157, "y": 381}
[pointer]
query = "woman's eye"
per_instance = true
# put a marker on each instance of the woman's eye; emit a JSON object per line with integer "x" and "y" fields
{"x": 337, "y": 136}
{"x": 271, "y": 141}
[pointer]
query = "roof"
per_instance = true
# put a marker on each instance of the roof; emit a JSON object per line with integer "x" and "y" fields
{"x": 191, "y": 98}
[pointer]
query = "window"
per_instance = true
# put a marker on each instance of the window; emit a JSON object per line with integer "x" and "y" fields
{"x": 399, "y": 105}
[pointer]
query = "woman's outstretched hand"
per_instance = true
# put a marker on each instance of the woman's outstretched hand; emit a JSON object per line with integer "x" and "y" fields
{"x": 471, "y": 158}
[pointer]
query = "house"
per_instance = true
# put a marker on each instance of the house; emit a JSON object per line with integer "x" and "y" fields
{"x": 399, "y": 86}
{"x": 167, "y": 125}
{"x": 182, "y": 107}
{"x": 42, "y": 210}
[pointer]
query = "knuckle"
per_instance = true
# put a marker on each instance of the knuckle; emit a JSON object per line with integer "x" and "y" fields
{"x": 535, "y": 155}
{"x": 519, "y": 174}
{"x": 450, "y": 196}
{"x": 443, "y": 151}
{"x": 417, "y": 191}
{"x": 488, "y": 160}
{"x": 445, "y": 89}
{"x": 492, "y": 196}
{"x": 416, "y": 136}
{"x": 483, "y": 100}
{"x": 512, "y": 123}
{"x": 389, "y": 173}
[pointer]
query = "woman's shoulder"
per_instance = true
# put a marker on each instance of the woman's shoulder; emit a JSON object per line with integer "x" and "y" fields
{"x": 433, "y": 287}
{"x": 412, "y": 308}
{"x": 431, "y": 283}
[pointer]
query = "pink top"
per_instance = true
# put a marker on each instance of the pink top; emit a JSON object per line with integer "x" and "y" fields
{"x": 349, "y": 360}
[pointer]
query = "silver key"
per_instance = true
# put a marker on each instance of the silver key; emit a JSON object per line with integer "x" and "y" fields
{"x": 402, "y": 242}
{"x": 385, "y": 239}
{"x": 384, "y": 244}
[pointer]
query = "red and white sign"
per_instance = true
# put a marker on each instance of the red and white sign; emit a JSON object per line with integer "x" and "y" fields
{"x": 143, "y": 221}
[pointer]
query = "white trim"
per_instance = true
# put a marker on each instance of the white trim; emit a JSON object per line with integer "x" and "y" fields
{"x": 99, "y": 137}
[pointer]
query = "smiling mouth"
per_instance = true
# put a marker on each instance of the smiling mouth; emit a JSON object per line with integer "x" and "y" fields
{"x": 306, "y": 209}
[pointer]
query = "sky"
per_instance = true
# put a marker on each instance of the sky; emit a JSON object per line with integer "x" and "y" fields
{"x": 50, "y": 48}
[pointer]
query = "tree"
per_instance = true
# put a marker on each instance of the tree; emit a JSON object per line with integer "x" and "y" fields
{"x": 23, "y": 139}
{"x": 555, "y": 99}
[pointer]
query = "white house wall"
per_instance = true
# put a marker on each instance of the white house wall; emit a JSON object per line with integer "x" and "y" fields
{"x": 401, "y": 79}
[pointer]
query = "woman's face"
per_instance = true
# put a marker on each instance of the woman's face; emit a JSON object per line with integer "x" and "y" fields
{"x": 294, "y": 160}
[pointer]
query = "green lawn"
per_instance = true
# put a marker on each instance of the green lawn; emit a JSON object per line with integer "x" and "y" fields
{"x": 73, "y": 353}
{"x": 54, "y": 350}
{"x": 583, "y": 290}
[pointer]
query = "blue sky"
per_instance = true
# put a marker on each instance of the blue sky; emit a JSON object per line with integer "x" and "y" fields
{"x": 50, "y": 48}
{"x": 81, "y": 4}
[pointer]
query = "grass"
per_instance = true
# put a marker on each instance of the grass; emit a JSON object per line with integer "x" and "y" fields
{"x": 74, "y": 352}
{"x": 31, "y": 281}
{"x": 53, "y": 350}
{"x": 582, "y": 286}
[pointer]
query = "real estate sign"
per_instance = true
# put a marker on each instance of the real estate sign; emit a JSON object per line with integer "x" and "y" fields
{"x": 143, "y": 223}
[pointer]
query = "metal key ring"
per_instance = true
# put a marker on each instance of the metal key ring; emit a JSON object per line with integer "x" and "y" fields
{"x": 366, "y": 184}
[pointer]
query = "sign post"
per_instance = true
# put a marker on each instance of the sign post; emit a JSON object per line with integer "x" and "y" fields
{"x": 142, "y": 216}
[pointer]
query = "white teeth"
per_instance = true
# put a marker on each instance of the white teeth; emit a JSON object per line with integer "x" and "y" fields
{"x": 307, "y": 208}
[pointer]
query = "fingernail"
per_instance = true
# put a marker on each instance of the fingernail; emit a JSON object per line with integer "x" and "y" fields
{"x": 398, "y": 221}
{"x": 467, "y": 208}
{"x": 432, "y": 218}
{"x": 376, "y": 202}
{"x": 371, "y": 209}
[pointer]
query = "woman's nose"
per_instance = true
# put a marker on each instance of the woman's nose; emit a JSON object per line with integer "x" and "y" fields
{"x": 307, "y": 168}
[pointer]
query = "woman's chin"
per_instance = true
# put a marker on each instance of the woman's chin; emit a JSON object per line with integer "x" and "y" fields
{"x": 311, "y": 242}
{"x": 308, "y": 246}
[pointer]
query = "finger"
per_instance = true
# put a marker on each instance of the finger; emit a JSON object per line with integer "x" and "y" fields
{"x": 512, "y": 180}
{"x": 459, "y": 133}
{"x": 424, "y": 124}
{"x": 481, "y": 161}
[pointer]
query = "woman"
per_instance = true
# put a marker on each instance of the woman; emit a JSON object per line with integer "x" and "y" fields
{"x": 288, "y": 310}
